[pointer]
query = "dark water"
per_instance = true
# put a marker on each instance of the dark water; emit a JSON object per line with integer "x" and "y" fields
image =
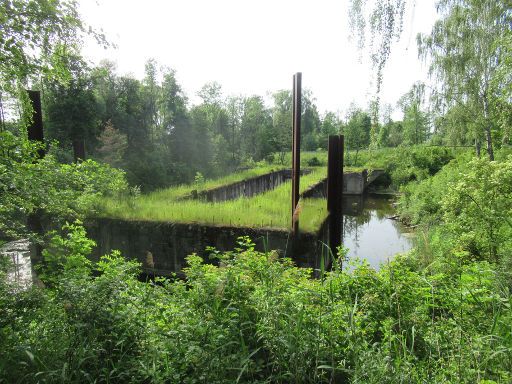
{"x": 368, "y": 232}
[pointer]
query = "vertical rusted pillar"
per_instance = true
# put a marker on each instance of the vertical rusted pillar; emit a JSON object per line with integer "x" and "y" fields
{"x": 341, "y": 162}
{"x": 35, "y": 128}
{"x": 335, "y": 190}
{"x": 296, "y": 112}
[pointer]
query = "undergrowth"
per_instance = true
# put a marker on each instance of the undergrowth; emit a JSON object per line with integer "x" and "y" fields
{"x": 256, "y": 318}
{"x": 439, "y": 314}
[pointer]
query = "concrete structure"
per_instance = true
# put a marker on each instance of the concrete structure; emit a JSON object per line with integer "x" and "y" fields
{"x": 354, "y": 183}
{"x": 245, "y": 188}
{"x": 163, "y": 247}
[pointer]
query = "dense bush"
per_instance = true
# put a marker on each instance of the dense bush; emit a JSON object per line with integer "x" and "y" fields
{"x": 29, "y": 185}
{"x": 257, "y": 318}
{"x": 404, "y": 164}
{"x": 440, "y": 314}
{"x": 470, "y": 203}
{"x": 421, "y": 201}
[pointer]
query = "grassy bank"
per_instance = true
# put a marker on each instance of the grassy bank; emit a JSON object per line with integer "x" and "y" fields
{"x": 269, "y": 209}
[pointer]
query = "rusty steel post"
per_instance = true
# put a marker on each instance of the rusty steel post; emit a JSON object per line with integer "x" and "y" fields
{"x": 296, "y": 113}
{"x": 341, "y": 162}
{"x": 335, "y": 190}
{"x": 35, "y": 128}
{"x": 332, "y": 172}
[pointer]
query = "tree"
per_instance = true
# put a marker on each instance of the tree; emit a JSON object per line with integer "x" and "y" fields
{"x": 256, "y": 129}
{"x": 36, "y": 38}
{"x": 357, "y": 130}
{"x": 112, "y": 145}
{"x": 331, "y": 125}
{"x": 310, "y": 123}
{"x": 415, "y": 122}
{"x": 282, "y": 122}
{"x": 501, "y": 86}
{"x": 70, "y": 109}
{"x": 464, "y": 55}
{"x": 151, "y": 93}
{"x": 458, "y": 126}
{"x": 234, "y": 109}
{"x": 172, "y": 102}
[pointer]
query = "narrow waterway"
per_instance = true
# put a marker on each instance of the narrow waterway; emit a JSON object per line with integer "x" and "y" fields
{"x": 368, "y": 232}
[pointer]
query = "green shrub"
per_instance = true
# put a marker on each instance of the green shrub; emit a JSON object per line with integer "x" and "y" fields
{"x": 257, "y": 318}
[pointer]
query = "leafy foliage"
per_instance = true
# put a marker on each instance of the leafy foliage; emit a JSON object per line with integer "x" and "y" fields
{"x": 257, "y": 318}
{"x": 404, "y": 164}
{"x": 469, "y": 204}
{"x": 462, "y": 47}
{"x": 60, "y": 191}
{"x": 383, "y": 20}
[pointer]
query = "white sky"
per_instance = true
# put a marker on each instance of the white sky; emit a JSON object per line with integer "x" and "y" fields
{"x": 255, "y": 46}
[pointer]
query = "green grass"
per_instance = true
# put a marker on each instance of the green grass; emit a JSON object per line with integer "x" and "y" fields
{"x": 269, "y": 209}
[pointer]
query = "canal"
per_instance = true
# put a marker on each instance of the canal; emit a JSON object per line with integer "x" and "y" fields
{"x": 368, "y": 231}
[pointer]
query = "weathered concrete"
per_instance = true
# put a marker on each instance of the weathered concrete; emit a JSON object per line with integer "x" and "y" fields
{"x": 354, "y": 183}
{"x": 163, "y": 247}
{"x": 245, "y": 188}
{"x": 317, "y": 191}
{"x": 374, "y": 175}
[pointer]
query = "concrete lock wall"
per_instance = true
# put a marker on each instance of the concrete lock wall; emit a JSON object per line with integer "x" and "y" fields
{"x": 163, "y": 247}
{"x": 246, "y": 188}
{"x": 354, "y": 183}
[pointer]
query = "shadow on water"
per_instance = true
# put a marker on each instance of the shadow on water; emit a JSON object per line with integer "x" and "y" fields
{"x": 368, "y": 232}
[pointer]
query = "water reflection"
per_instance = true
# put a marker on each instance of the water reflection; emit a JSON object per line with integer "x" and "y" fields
{"x": 367, "y": 231}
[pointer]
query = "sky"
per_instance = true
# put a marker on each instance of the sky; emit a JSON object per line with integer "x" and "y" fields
{"x": 255, "y": 46}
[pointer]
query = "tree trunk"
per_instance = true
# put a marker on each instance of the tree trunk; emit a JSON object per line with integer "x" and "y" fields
{"x": 488, "y": 137}
{"x": 477, "y": 147}
{"x": 79, "y": 150}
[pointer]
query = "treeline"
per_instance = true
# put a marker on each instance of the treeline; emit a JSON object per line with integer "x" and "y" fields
{"x": 148, "y": 128}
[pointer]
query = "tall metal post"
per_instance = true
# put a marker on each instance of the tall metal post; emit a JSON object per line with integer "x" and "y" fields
{"x": 335, "y": 190}
{"x": 296, "y": 112}
{"x": 341, "y": 162}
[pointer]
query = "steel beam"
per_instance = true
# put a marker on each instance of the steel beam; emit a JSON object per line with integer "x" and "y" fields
{"x": 296, "y": 115}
